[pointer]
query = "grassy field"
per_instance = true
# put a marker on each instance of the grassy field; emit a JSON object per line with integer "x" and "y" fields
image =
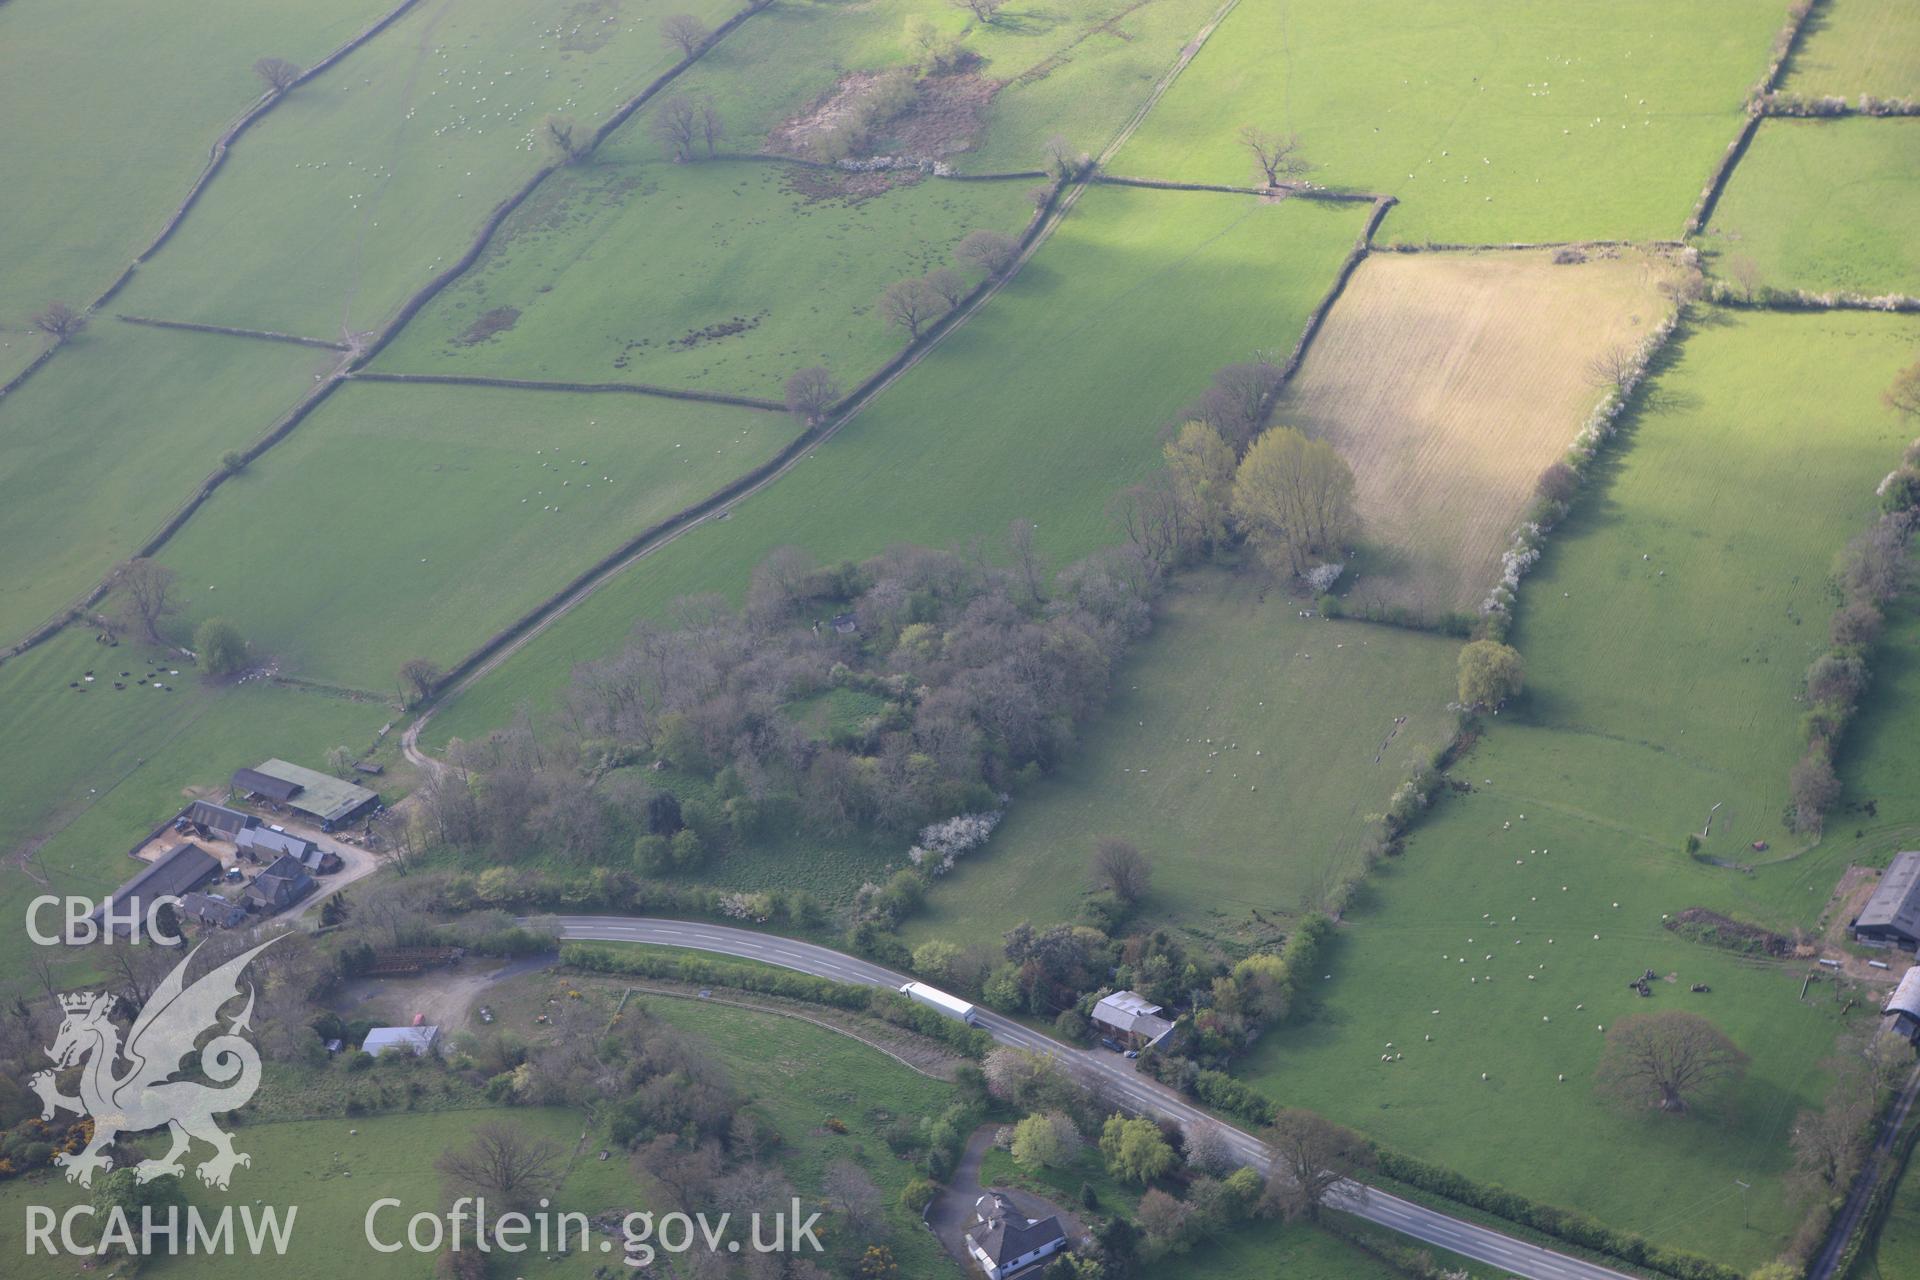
{"x": 725, "y": 276}
{"x": 449, "y": 511}
{"x": 332, "y": 1176}
{"x": 1824, "y": 205}
{"x": 1659, "y": 688}
{"x": 376, "y": 175}
{"x": 1896, "y": 1251}
{"x": 1859, "y": 46}
{"x": 158, "y": 91}
{"x": 105, "y": 441}
{"x": 1078, "y": 68}
{"x": 1043, "y": 405}
{"x": 1231, "y": 693}
{"x": 1448, "y": 382}
{"x": 89, "y": 774}
{"x": 1532, "y": 122}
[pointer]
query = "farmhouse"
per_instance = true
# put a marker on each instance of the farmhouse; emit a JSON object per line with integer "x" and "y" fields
{"x": 280, "y": 885}
{"x": 173, "y": 874}
{"x": 327, "y": 800}
{"x": 1131, "y": 1018}
{"x": 1902, "y": 1008}
{"x": 1005, "y": 1241}
{"x": 1892, "y": 914}
{"x": 418, "y": 1041}
{"x": 212, "y": 910}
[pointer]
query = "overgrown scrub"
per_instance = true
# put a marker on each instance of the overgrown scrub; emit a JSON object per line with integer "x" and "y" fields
{"x": 888, "y": 1006}
{"x": 1871, "y": 571}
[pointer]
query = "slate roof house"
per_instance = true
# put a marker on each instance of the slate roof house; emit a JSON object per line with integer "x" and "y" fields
{"x": 1892, "y": 914}
{"x": 174, "y": 874}
{"x": 217, "y": 821}
{"x": 212, "y": 910}
{"x": 280, "y": 885}
{"x": 1005, "y": 1241}
{"x": 1130, "y": 1018}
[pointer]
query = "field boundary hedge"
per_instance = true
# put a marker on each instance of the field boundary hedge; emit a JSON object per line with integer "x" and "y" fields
{"x": 216, "y": 158}
{"x": 1784, "y": 45}
{"x": 1361, "y": 248}
{"x": 313, "y": 398}
{"x": 530, "y": 384}
{"x": 1281, "y": 192}
{"x": 228, "y": 331}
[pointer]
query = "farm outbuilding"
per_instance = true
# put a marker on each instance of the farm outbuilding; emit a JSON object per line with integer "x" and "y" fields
{"x": 280, "y": 885}
{"x": 1902, "y": 1008}
{"x": 173, "y": 874}
{"x": 327, "y": 800}
{"x": 216, "y": 820}
{"x": 418, "y": 1041}
{"x": 1892, "y": 915}
{"x": 1132, "y": 1018}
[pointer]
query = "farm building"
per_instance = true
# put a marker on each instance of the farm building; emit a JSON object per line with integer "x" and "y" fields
{"x": 1005, "y": 1241}
{"x": 280, "y": 885}
{"x": 215, "y": 821}
{"x": 1130, "y": 1018}
{"x": 1902, "y": 1008}
{"x": 264, "y": 844}
{"x": 418, "y": 1041}
{"x": 1892, "y": 914}
{"x": 173, "y": 874}
{"x": 328, "y": 800}
{"x": 212, "y": 910}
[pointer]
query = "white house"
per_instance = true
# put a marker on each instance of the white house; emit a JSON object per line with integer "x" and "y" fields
{"x": 1006, "y": 1242}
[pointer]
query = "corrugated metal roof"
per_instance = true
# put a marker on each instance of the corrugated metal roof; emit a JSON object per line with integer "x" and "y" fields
{"x": 320, "y": 794}
{"x": 1896, "y": 903}
{"x": 1906, "y": 997}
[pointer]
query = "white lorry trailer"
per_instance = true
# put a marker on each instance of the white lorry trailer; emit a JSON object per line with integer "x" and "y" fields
{"x": 939, "y": 1001}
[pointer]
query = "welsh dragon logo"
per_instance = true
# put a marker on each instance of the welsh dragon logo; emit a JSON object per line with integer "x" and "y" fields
{"x": 143, "y": 1095}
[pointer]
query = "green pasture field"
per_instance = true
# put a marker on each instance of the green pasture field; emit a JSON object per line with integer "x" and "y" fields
{"x": 1077, "y": 68}
{"x": 101, "y": 445}
{"x": 1529, "y": 123}
{"x": 1824, "y": 205}
{"x": 722, "y": 276}
{"x": 92, "y": 184}
{"x": 447, "y": 513}
{"x": 1659, "y": 688}
{"x": 1042, "y": 406}
{"x": 1881, "y": 755}
{"x": 333, "y": 1177}
{"x": 1895, "y": 1252}
{"x": 90, "y": 774}
{"x": 375, "y": 176}
{"x": 1230, "y": 693}
{"x": 1851, "y": 47}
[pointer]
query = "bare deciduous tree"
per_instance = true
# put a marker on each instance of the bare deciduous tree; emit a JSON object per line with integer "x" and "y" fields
{"x": 684, "y": 32}
{"x": 1121, "y": 869}
{"x": 1746, "y": 275}
{"x": 855, "y": 1195}
{"x": 1025, "y": 559}
{"x": 1148, "y": 514}
{"x": 676, "y": 124}
{"x": 1310, "y": 1156}
{"x": 1064, "y": 160}
{"x": 712, "y": 128}
{"x": 418, "y": 676}
{"x": 59, "y": 321}
{"x": 811, "y": 392}
{"x": 1904, "y": 395}
{"x": 949, "y": 284}
{"x": 144, "y": 586}
{"x": 560, "y": 133}
{"x": 982, "y": 10}
{"x": 1612, "y": 369}
{"x": 505, "y": 1164}
{"x": 1276, "y": 154}
{"x": 276, "y": 73}
{"x": 909, "y": 305}
{"x": 992, "y": 252}
{"x": 1666, "y": 1058}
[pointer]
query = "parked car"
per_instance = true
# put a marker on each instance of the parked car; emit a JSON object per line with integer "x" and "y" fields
{"x": 1107, "y": 1042}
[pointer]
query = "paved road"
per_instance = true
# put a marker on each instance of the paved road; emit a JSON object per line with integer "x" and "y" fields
{"x": 1112, "y": 1074}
